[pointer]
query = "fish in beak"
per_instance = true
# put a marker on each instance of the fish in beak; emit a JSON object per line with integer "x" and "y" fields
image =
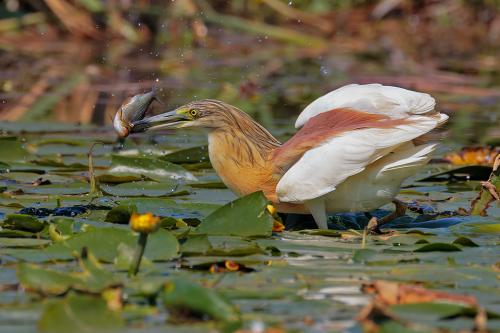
{"x": 171, "y": 119}
{"x": 133, "y": 109}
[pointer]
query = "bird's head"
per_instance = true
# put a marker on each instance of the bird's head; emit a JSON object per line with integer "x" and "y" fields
{"x": 205, "y": 113}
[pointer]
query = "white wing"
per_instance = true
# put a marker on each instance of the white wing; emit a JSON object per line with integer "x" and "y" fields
{"x": 322, "y": 168}
{"x": 393, "y": 102}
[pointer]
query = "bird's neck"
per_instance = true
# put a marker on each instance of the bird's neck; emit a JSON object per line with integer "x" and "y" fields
{"x": 241, "y": 154}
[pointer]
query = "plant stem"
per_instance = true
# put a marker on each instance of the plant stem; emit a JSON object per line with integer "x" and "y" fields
{"x": 139, "y": 251}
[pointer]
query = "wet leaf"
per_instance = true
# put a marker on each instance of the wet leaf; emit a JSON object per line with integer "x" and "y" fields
{"x": 149, "y": 167}
{"x": 79, "y": 314}
{"x": 145, "y": 188}
{"x": 180, "y": 295}
{"x": 246, "y": 216}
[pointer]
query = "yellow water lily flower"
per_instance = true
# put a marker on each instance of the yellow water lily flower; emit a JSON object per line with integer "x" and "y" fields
{"x": 144, "y": 223}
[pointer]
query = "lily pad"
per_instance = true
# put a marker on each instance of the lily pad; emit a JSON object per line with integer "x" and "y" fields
{"x": 246, "y": 216}
{"x": 92, "y": 278}
{"x": 180, "y": 295}
{"x": 80, "y": 314}
{"x": 189, "y": 155}
{"x": 104, "y": 242}
{"x": 13, "y": 150}
{"x": 145, "y": 188}
{"x": 438, "y": 247}
{"x": 23, "y": 222}
{"x": 150, "y": 167}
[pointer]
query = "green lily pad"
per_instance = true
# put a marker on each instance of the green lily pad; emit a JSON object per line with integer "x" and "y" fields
{"x": 363, "y": 255}
{"x": 104, "y": 242}
{"x": 246, "y": 216}
{"x": 464, "y": 241}
{"x": 13, "y": 151}
{"x": 59, "y": 189}
{"x": 145, "y": 188}
{"x": 120, "y": 214}
{"x": 92, "y": 278}
{"x": 418, "y": 312}
{"x": 79, "y": 314}
{"x": 23, "y": 222}
{"x": 153, "y": 168}
{"x": 438, "y": 247}
{"x": 187, "y": 156}
{"x": 23, "y": 242}
{"x": 180, "y": 295}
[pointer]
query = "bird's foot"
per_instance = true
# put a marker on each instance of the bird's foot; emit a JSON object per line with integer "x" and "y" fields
{"x": 374, "y": 224}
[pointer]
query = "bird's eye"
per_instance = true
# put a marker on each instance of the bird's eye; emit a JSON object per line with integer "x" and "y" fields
{"x": 193, "y": 112}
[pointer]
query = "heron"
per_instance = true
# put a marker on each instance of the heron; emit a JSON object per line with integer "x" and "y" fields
{"x": 352, "y": 150}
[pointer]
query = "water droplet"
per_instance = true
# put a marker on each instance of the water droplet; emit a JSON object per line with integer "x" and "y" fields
{"x": 324, "y": 71}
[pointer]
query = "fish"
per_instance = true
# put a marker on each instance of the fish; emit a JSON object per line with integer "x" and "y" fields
{"x": 133, "y": 109}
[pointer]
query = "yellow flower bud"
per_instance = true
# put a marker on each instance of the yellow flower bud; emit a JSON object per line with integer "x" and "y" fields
{"x": 271, "y": 209}
{"x": 144, "y": 223}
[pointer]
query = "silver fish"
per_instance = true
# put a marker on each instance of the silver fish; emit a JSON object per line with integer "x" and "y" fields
{"x": 133, "y": 109}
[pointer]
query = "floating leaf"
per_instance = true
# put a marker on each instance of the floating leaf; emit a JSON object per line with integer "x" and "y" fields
{"x": 464, "y": 241}
{"x": 120, "y": 214}
{"x": 13, "y": 151}
{"x": 189, "y": 155}
{"x": 363, "y": 255}
{"x": 438, "y": 247}
{"x": 59, "y": 189}
{"x": 180, "y": 295}
{"x": 425, "y": 311}
{"x": 92, "y": 278}
{"x": 23, "y": 242}
{"x": 79, "y": 314}
{"x": 23, "y": 222}
{"x": 150, "y": 167}
{"x": 246, "y": 216}
{"x": 104, "y": 242}
{"x": 145, "y": 188}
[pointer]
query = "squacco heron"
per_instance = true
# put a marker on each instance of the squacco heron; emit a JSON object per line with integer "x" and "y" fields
{"x": 353, "y": 148}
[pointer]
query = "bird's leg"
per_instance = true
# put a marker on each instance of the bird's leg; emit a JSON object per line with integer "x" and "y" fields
{"x": 374, "y": 224}
{"x": 318, "y": 211}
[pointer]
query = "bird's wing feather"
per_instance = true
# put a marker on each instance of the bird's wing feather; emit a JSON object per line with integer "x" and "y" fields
{"x": 320, "y": 169}
{"x": 375, "y": 98}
